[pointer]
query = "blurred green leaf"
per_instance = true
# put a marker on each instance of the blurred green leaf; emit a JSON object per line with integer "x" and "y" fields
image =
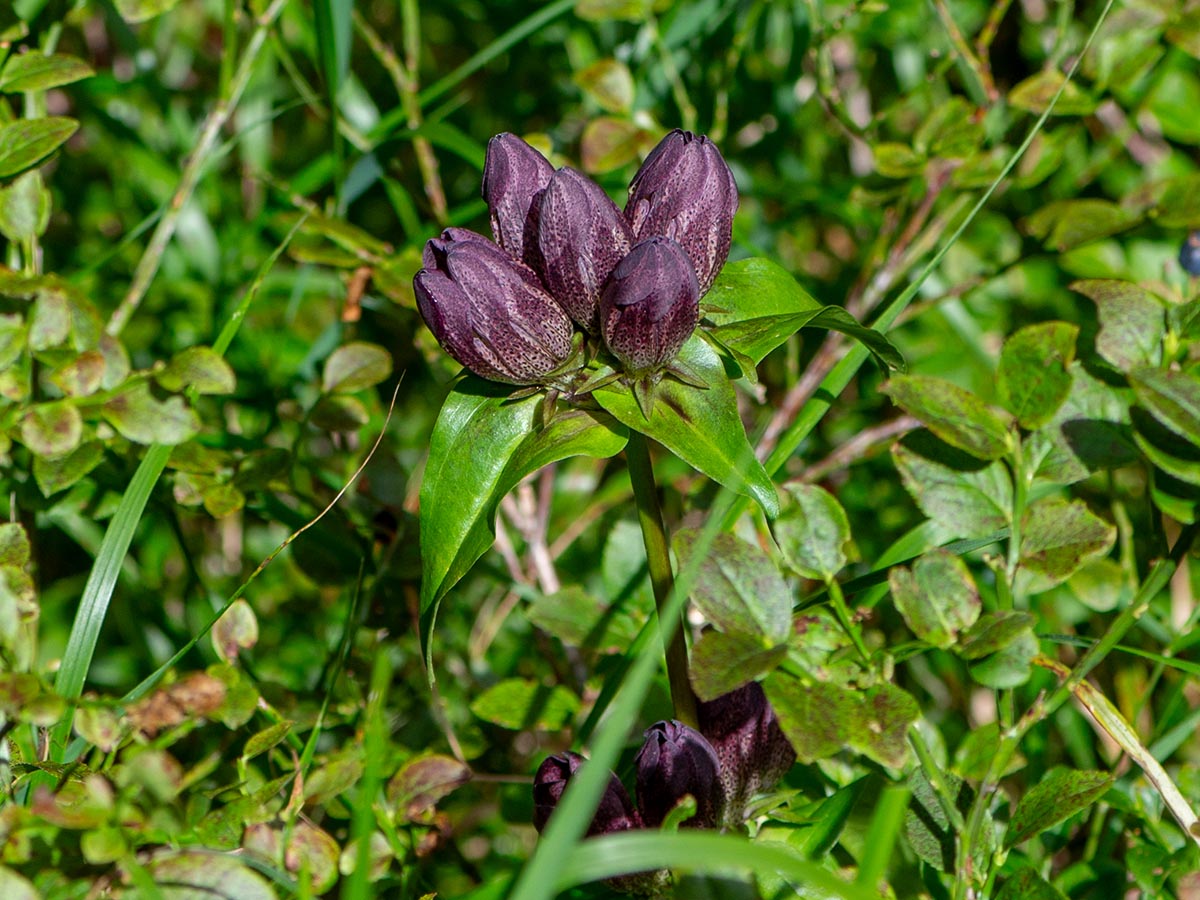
{"x": 200, "y": 368}
{"x": 54, "y": 474}
{"x": 518, "y": 703}
{"x": 24, "y": 208}
{"x": 52, "y": 429}
{"x": 193, "y": 875}
{"x": 26, "y": 142}
{"x": 1065, "y": 224}
{"x": 355, "y": 367}
{"x": 134, "y": 11}
{"x": 1026, "y": 884}
{"x": 1035, "y": 93}
{"x": 1057, "y": 537}
{"x": 609, "y": 143}
{"x": 34, "y": 71}
{"x": 609, "y": 83}
{"x": 579, "y": 619}
{"x": 142, "y": 418}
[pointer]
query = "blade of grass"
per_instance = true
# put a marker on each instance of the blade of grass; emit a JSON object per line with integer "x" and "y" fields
{"x": 695, "y": 851}
{"x": 881, "y": 836}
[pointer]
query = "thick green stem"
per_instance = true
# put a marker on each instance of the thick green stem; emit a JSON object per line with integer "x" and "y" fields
{"x": 658, "y": 559}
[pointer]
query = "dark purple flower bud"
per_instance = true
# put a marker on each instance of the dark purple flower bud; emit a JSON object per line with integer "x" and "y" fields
{"x": 676, "y": 760}
{"x": 581, "y": 237}
{"x": 684, "y": 190}
{"x": 489, "y": 311}
{"x": 513, "y": 174}
{"x": 1189, "y": 254}
{"x": 616, "y": 811}
{"x": 650, "y": 305}
{"x": 751, "y": 747}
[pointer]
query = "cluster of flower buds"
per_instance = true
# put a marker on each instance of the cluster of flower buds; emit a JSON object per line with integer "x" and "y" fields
{"x": 564, "y": 253}
{"x": 739, "y": 751}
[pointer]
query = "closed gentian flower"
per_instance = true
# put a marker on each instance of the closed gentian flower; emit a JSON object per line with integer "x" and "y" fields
{"x": 649, "y": 306}
{"x": 616, "y": 811}
{"x": 684, "y": 190}
{"x": 676, "y": 760}
{"x": 513, "y": 175}
{"x": 489, "y": 311}
{"x": 752, "y": 750}
{"x": 581, "y": 237}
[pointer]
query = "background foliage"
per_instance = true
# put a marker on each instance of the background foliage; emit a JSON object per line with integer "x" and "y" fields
{"x": 212, "y": 212}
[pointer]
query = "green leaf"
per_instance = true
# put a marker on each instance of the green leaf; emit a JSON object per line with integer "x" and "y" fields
{"x": 755, "y": 305}
{"x": 993, "y": 632}
{"x": 1175, "y": 455}
{"x": 521, "y": 704}
{"x": 609, "y": 83}
{"x": 1088, "y": 433}
{"x": 1033, "y": 378}
{"x": 894, "y": 160}
{"x": 1059, "y": 536}
{"x": 723, "y": 662}
{"x": 937, "y": 597}
{"x": 1058, "y": 796}
{"x": 52, "y": 429}
{"x": 1035, "y": 93}
{"x": 482, "y": 445}
{"x": 199, "y": 368}
{"x": 421, "y": 783}
{"x": 609, "y": 142}
{"x": 954, "y": 414}
{"x": 51, "y": 321}
{"x": 1172, "y": 397}
{"x": 1132, "y": 322}
{"x": 26, "y": 142}
{"x": 738, "y": 588}
{"x": 235, "y": 631}
{"x": 926, "y": 824}
{"x": 820, "y": 719}
{"x": 1065, "y": 224}
{"x": 141, "y": 418}
{"x": 355, "y": 367}
{"x": 24, "y": 208}
{"x": 1009, "y": 667}
{"x": 16, "y": 887}
{"x": 38, "y": 72}
{"x": 812, "y": 531}
{"x": 962, "y": 497}
{"x": 700, "y": 426}
{"x": 134, "y": 11}
{"x": 1028, "y": 885}
{"x": 262, "y": 741}
{"x": 82, "y": 376}
{"x": 579, "y": 619}
{"x": 339, "y": 412}
{"x": 60, "y": 472}
{"x": 207, "y": 876}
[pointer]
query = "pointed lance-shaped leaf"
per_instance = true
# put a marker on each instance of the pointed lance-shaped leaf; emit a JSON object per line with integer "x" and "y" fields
{"x": 685, "y": 190}
{"x": 616, "y": 811}
{"x": 676, "y": 760}
{"x": 581, "y": 237}
{"x": 489, "y": 311}
{"x": 650, "y": 305}
{"x": 513, "y": 175}
{"x": 751, "y": 747}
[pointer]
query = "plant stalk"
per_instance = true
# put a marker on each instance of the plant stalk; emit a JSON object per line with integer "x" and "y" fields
{"x": 658, "y": 559}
